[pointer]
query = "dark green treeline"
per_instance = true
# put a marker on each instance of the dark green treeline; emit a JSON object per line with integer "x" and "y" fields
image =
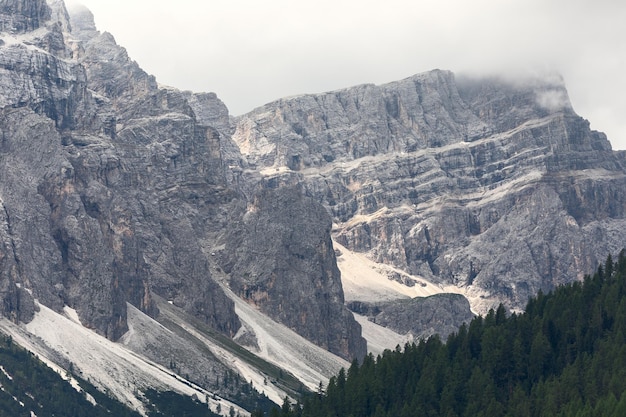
{"x": 565, "y": 356}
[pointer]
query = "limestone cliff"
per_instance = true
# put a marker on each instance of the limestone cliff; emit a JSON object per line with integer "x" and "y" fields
{"x": 495, "y": 186}
{"x": 280, "y": 258}
{"x": 422, "y": 317}
{"x": 114, "y": 189}
{"x": 96, "y": 181}
{"x": 18, "y": 16}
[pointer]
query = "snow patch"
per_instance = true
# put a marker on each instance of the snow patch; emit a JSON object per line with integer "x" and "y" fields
{"x": 363, "y": 280}
{"x": 71, "y": 314}
{"x": 10, "y": 378}
{"x": 248, "y": 372}
{"x": 278, "y": 345}
{"x": 380, "y": 338}
{"x": 282, "y": 346}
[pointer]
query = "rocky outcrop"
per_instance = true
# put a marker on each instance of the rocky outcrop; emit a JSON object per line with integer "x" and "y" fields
{"x": 19, "y": 16}
{"x": 280, "y": 258}
{"x": 309, "y": 131}
{"x": 153, "y": 174}
{"x": 494, "y": 186}
{"x": 440, "y": 314}
{"x": 114, "y": 189}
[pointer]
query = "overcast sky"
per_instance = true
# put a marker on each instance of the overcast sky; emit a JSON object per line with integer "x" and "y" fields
{"x": 251, "y": 52}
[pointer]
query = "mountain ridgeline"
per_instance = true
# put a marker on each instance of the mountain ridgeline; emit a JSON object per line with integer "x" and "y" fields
{"x": 564, "y": 356}
{"x": 155, "y": 219}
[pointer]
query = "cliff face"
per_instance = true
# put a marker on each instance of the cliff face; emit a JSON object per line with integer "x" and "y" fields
{"x": 496, "y": 187}
{"x": 18, "y": 16}
{"x": 280, "y": 258}
{"x": 92, "y": 178}
{"x": 114, "y": 189}
{"x": 422, "y": 317}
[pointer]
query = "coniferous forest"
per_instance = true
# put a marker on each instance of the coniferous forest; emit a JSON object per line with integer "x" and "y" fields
{"x": 564, "y": 356}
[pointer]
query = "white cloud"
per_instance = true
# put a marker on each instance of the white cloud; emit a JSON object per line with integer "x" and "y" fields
{"x": 251, "y": 52}
{"x": 553, "y": 100}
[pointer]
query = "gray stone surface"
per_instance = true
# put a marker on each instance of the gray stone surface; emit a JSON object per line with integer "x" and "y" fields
{"x": 494, "y": 186}
{"x": 106, "y": 180}
{"x": 280, "y": 258}
{"x": 18, "y": 16}
{"x": 114, "y": 188}
{"x": 440, "y": 314}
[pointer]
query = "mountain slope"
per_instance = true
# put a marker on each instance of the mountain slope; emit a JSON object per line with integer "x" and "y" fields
{"x": 124, "y": 187}
{"x": 30, "y": 388}
{"x": 495, "y": 187}
{"x": 115, "y": 196}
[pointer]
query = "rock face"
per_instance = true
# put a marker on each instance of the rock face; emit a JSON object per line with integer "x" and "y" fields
{"x": 18, "y": 16}
{"x": 91, "y": 177}
{"x": 280, "y": 258}
{"x": 494, "y": 186}
{"x": 440, "y": 314}
{"x": 113, "y": 189}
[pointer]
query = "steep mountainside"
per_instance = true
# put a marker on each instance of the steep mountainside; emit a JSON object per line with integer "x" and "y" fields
{"x": 495, "y": 187}
{"x": 146, "y": 237}
{"x": 115, "y": 195}
{"x": 281, "y": 278}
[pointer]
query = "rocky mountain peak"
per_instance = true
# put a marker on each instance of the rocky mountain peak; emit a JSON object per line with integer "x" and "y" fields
{"x": 280, "y": 258}
{"x": 135, "y": 193}
{"x": 118, "y": 192}
{"x": 451, "y": 178}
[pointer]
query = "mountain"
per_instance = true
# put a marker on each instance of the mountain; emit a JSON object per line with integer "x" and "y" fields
{"x": 494, "y": 187}
{"x": 115, "y": 196}
{"x": 150, "y": 241}
{"x": 29, "y": 387}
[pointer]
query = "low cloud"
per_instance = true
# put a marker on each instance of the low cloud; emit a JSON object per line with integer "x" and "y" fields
{"x": 553, "y": 100}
